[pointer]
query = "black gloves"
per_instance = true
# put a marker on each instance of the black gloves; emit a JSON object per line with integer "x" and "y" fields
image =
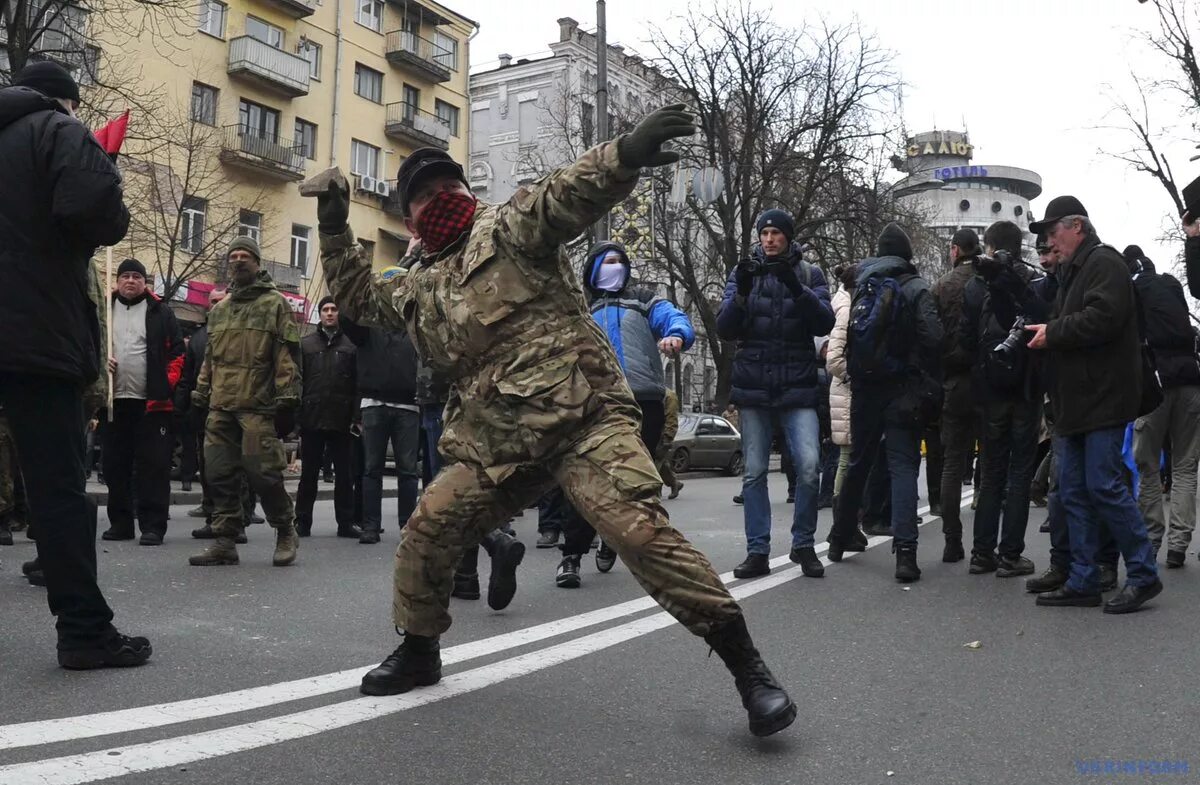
{"x": 333, "y": 209}
{"x": 643, "y": 146}
{"x": 285, "y": 419}
{"x": 743, "y": 276}
{"x": 787, "y": 276}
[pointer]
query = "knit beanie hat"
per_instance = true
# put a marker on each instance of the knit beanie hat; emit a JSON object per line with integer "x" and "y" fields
{"x": 245, "y": 244}
{"x": 894, "y": 242}
{"x": 48, "y": 78}
{"x": 326, "y": 300}
{"x": 780, "y": 219}
{"x": 131, "y": 266}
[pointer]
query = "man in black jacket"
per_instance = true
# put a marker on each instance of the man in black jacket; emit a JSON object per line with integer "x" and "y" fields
{"x": 67, "y": 201}
{"x": 1170, "y": 335}
{"x": 387, "y": 386}
{"x": 328, "y": 408}
{"x": 1094, "y": 365}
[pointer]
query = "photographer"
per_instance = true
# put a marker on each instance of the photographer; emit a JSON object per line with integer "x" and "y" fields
{"x": 997, "y": 303}
{"x": 775, "y": 304}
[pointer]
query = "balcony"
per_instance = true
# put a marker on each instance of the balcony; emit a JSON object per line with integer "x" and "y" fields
{"x": 391, "y": 202}
{"x": 279, "y": 159}
{"x": 268, "y": 67}
{"x": 416, "y": 126}
{"x": 285, "y": 276}
{"x": 409, "y": 49}
{"x": 297, "y": 9}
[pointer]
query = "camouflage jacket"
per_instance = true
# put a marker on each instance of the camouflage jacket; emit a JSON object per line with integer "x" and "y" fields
{"x": 500, "y": 315}
{"x": 252, "y": 362}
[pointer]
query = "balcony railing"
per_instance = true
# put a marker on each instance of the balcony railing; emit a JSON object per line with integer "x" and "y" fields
{"x": 406, "y": 48}
{"x": 391, "y": 202}
{"x": 282, "y": 159}
{"x": 272, "y": 68}
{"x": 297, "y": 9}
{"x": 407, "y": 122}
{"x": 285, "y": 276}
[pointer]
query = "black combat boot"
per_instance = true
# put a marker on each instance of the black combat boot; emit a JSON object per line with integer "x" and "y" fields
{"x": 907, "y": 570}
{"x": 466, "y": 586}
{"x": 810, "y": 565}
{"x": 755, "y": 565}
{"x": 506, "y": 552}
{"x": 114, "y": 650}
{"x": 857, "y": 543}
{"x": 415, "y": 663}
{"x": 953, "y": 552}
{"x": 1053, "y": 578}
{"x": 769, "y": 707}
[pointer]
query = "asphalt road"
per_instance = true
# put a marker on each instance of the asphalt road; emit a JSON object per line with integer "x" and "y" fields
{"x": 255, "y": 671}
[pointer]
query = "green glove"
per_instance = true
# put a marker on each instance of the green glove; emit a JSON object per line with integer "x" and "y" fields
{"x": 333, "y": 209}
{"x": 643, "y": 146}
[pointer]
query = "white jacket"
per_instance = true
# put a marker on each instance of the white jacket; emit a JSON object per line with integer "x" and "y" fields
{"x": 835, "y": 363}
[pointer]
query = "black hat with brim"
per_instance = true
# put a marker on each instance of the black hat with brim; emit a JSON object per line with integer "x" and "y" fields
{"x": 421, "y": 165}
{"x": 1060, "y": 207}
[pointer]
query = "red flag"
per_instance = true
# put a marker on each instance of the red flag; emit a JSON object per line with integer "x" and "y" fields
{"x": 112, "y": 135}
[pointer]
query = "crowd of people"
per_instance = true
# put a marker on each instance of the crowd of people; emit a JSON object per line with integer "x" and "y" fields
{"x": 480, "y": 352}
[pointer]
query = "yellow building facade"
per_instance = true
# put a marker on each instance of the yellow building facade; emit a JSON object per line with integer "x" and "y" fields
{"x": 265, "y": 93}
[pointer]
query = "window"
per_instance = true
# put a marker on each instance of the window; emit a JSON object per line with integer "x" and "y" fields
{"x": 191, "y": 225}
{"x": 412, "y": 100}
{"x": 370, "y": 14}
{"x": 301, "y": 247}
{"x": 258, "y": 120}
{"x": 250, "y": 225}
{"x": 721, "y": 428}
{"x": 368, "y": 83}
{"x": 267, "y": 33}
{"x": 306, "y": 137}
{"x": 204, "y": 104}
{"x": 364, "y": 159}
{"x": 212, "y": 18}
{"x": 448, "y": 114}
{"x": 312, "y": 53}
{"x": 446, "y": 52}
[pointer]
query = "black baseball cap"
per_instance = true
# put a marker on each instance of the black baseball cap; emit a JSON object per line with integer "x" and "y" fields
{"x": 423, "y": 163}
{"x": 1059, "y": 208}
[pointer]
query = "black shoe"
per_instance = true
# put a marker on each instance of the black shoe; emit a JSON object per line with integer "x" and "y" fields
{"x": 1065, "y": 596}
{"x": 415, "y": 663}
{"x": 1053, "y": 578}
{"x": 756, "y": 564}
{"x": 810, "y": 565}
{"x": 466, "y": 586}
{"x": 837, "y": 546}
{"x": 507, "y": 552}
{"x": 114, "y": 535}
{"x": 303, "y": 528}
{"x": 349, "y": 532}
{"x": 115, "y": 651}
{"x": 33, "y": 565}
{"x": 1108, "y": 577}
{"x": 606, "y": 557}
{"x": 368, "y": 538}
{"x": 547, "y": 539}
{"x": 791, "y": 498}
{"x": 738, "y": 499}
{"x": 567, "y": 576}
{"x": 825, "y": 503}
{"x": 935, "y": 509}
{"x": 982, "y": 563}
{"x": 151, "y": 538}
{"x": 5, "y": 535}
{"x": 1133, "y": 597}
{"x": 1176, "y": 559}
{"x": 256, "y": 519}
{"x": 185, "y": 486}
{"x": 205, "y": 532}
{"x": 327, "y": 477}
{"x": 907, "y": 570}
{"x": 1045, "y": 527}
{"x": 953, "y": 552}
{"x": 1009, "y": 567}
{"x": 877, "y": 529}
{"x": 769, "y": 708}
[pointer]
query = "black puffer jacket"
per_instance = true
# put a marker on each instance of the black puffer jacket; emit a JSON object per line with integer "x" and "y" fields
{"x": 387, "y": 362}
{"x": 330, "y": 378}
{"x": 61, "y": 198}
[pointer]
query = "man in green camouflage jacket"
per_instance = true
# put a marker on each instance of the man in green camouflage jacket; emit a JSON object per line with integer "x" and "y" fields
{"x": 250, "y": 385}
{"x": 538, "y": 396}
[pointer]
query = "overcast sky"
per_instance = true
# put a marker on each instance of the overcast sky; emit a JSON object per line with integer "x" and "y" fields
{"x": 1028, "y": 79}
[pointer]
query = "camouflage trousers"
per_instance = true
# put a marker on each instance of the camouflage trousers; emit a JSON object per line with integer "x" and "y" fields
{"x": 237, "y": 442}
{"x": 611, "y": 482}
{"x": 666, "y": 470}
{"x": 8, "y": 469}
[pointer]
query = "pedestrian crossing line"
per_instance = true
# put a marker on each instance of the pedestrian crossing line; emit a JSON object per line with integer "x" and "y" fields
{"x": 127, "y": 720}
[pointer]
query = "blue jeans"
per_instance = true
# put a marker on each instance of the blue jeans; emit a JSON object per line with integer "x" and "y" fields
{"x": 380, "y": 425}
{"x": 802, "y": 434}
{"x": 1094, "y": 492}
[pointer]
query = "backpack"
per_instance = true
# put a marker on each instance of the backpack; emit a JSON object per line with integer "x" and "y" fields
{"x": 999, "y": 373}
{"x": 876, "y": 348}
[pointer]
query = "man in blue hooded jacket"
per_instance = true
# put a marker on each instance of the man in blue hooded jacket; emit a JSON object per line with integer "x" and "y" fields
{"x": 775, "y": 304}
{"x": 640, "y": 325}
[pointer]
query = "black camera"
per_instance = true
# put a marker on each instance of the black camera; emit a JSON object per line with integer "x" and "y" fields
{"x": 1008, "y": 350}
{"x": 991, "y": 266}
{"x": 752, "y": 266}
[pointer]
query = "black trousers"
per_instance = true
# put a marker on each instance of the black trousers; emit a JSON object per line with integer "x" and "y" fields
{"x": 313, "y": 444}
{"x": 137, "y": 447}
{"x": 46, "y": 418}
{"x": 190, "y": 449}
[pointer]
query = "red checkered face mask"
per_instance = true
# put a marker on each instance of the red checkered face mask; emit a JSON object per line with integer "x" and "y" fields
{"x": 445, "y": 218}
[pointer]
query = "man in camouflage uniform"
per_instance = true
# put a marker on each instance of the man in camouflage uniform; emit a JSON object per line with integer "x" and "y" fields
{"x": 538, "y": 396}
{"x": 663, "y": 452}
{"x": 250, "y": 385}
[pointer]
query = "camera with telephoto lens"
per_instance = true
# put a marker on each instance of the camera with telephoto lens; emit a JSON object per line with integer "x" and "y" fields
{"x": 1006, "y": 351}
{"x": 991, "y": 266}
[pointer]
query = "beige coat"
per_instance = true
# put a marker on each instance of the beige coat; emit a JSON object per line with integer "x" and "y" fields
{"x": 835, "y": 363}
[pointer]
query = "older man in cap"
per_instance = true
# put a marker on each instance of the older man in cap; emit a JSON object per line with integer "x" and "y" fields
{"x": 538, "y": 396}
{"x": 64, "y": 199}
{"x": 1095, "y": 391}
{"x": 250, "y": 385}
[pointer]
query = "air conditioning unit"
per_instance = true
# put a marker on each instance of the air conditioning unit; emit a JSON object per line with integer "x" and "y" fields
{"x": 382, "y": 188}
{"x": 367, "y": 184}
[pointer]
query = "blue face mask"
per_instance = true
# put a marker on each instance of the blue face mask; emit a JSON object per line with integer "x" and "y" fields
{"x": 610, "y": 277}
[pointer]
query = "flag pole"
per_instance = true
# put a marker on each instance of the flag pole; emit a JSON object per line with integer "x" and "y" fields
{"x": 108, "y": 323}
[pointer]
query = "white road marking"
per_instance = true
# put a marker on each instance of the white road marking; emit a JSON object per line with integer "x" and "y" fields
{"x": 90, "y": 766}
